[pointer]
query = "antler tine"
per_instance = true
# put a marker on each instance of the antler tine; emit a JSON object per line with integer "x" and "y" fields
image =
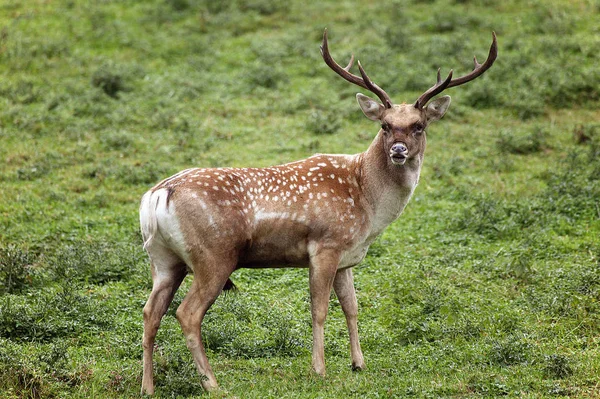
{"x": 434, "y": 90}
{"x": 345, "y": 73}
{"x": 347, "y": 69}
{"x": 387, "y": 101}
{"x": 478, "y": 70}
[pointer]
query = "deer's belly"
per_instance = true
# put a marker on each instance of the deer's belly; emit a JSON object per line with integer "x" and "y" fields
{"x": 354, "y": 256}
{"x": 277, "y": 243}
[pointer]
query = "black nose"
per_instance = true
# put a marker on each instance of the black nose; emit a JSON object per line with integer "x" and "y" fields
{"x": 399, "y": 148}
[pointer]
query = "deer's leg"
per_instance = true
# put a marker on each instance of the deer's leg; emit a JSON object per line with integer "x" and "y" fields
{"x": 344, "y": 289}
{"x": 167, "y": 274}
{"x": 323, "y": 266}
{"x": 209, "y": 278}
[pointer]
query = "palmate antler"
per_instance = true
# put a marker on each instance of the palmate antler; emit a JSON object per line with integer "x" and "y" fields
{"x": 477, "y": 71}
{"x": 363, "y": 82}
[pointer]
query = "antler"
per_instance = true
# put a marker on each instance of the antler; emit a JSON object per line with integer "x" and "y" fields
{"x": 363, "y": 82}
{"x": 477, "y": 71}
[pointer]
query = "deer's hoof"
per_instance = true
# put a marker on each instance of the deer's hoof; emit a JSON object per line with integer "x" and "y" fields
{"x": 358, "y": 367}
{"x": 320, "y": 371}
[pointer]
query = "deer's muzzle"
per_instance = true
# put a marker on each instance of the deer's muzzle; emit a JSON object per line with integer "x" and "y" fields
{"x": 398, "y": 153}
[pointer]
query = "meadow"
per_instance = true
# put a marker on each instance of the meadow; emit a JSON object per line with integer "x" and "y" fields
{"x": 487, "y": 286}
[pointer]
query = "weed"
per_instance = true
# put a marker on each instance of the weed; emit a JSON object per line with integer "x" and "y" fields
{"x": 488, "y": 217}
{"x": 574, "y": 196}
{"x": 52, "y": 314}
{"x": 136, "y": 174}
{"x": 21, "y": 92}
{"x": 520, "y": 143}
{"x": 488, "y": 387}
{"x": 265, "y": 7}
{"x": 574, "y": 89}
{"x": 586, "y": 133}
{"x": 116, "y": 382}
{"x": 567, "y": 292}
{"x": 557, "y": 366}
{"x": 16, "y": 269}
{"x": 110, "y": 82}
{"x": 519, "y": 266}
{"x": 266, "y": 76}
{"x": 450, "y": 20}
{"x": 323, "y": 122}
{"x": 178, "y": 5}
{"x": 92, "y": 262}
{"x": 176, "y": 374}
{"x": 510, "y": 351}
{"x": 32, "y": 172}
{"x": 552, "y": 21}
{"x": 118, "y": 140}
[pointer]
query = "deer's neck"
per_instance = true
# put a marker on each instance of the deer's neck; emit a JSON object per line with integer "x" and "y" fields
{"x": 386, "y": 187}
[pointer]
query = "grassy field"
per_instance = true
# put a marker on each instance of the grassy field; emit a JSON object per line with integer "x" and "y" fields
{"x": 487, "y": 286}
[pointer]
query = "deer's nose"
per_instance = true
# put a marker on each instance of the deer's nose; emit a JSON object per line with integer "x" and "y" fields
{"x": 399, "y": 148}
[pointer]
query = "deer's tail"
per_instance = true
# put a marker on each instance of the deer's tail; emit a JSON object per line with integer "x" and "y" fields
{"x": 148, "y": 221}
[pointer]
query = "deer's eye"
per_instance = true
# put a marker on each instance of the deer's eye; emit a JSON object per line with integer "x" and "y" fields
{"x": 418, "y": 128}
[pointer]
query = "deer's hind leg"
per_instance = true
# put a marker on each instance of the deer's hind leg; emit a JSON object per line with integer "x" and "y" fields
{"x": 168, "y": 271}
{"x": 211, "y": 273}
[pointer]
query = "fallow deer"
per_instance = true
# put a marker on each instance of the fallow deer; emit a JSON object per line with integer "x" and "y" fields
{"x": 322, "y": 213}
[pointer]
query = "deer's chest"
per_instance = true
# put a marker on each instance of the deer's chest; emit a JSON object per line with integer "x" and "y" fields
{"x": 389, "y": 206}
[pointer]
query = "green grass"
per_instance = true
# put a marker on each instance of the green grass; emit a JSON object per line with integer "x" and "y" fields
{"x": 488, "y": 285}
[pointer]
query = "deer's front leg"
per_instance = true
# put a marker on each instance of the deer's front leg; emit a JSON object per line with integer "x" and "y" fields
{"x": 323, "y": 266}
{"x": 344, "y": 289}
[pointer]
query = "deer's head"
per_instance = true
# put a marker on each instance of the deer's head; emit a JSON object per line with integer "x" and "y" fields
{"x": 403, "y": 126}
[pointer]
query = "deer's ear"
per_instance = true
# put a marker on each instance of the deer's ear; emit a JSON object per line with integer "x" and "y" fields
{"x": 437, "y": 108}
{"x": 371, "y": 108}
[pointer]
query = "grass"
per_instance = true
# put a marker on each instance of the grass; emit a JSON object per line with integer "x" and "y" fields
{"x": 487, "y": 286}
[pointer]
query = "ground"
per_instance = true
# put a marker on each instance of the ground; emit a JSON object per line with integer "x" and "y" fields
{"x": 488, "y": 285}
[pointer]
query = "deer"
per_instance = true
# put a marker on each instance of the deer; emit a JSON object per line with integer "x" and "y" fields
{"x": 320, "y": 213}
